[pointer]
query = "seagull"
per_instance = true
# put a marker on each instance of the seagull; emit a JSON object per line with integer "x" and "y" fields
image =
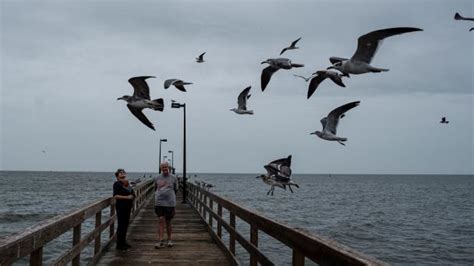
{"x": 321, "y": 75}
{"x": 457, "y": 16}
{"x": 291, "y": 47}
{"x": 367, "y": 46}
{"x": 305, "y": 79}
{"x": 278, "y": 175}
{"x": 331, "y": 121}
{"x": 242, "y": 103}
{"x": 200, "y": 58}
{"x": 444, "y": 121}
{"x": 179, "y": 84}
{"x": 274, "y": 65}
{"x": 141, "y": 100}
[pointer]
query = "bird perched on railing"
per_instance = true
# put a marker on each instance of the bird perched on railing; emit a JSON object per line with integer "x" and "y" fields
{"x": 278, "y": 175}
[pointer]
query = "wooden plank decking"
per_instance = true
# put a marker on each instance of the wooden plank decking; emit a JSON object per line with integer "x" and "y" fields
{"x": 193, "y": 243}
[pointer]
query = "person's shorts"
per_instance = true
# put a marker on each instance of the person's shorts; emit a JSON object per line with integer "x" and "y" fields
{"x": 167, "y": 212}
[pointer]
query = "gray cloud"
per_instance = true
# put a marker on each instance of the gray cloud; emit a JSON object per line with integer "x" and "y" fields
{"x": 64, "y": 64}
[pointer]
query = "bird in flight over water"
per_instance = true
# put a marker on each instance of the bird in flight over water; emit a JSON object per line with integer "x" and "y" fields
{"x": 291, "y": 47}
{"x": 274, "y": 65}
{"x": 242, "y": 103}
{"x": 367, "y": 46}
{"x": 331, "y": 122}
{"x": 141, "y": 100}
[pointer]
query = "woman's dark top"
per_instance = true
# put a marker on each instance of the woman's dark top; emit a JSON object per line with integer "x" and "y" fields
{"x": 119, "y": 189}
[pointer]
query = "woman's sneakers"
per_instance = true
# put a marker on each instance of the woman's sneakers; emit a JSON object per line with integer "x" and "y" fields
{"x": 162, "y": 244}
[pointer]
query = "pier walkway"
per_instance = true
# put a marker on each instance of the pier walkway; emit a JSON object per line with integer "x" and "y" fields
{"x": 193, "y": 243}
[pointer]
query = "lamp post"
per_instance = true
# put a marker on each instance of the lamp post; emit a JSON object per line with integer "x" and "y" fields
{"x": 172, "y": 160}
{"x": 159, "y": 158}
{"x": 178, "y": 105}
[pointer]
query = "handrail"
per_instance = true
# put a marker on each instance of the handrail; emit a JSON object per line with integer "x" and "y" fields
{"x": 32, "y": 240}
{"x": 303, "y": 244}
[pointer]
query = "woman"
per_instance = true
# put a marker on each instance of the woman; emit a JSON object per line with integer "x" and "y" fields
{"x": 123, "y": 195}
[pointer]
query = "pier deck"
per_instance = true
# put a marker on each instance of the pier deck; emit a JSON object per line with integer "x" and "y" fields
{"x": 193, "y": 243}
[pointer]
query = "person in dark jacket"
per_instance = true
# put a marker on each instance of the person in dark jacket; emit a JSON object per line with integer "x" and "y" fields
{"x": 123, "y": 195}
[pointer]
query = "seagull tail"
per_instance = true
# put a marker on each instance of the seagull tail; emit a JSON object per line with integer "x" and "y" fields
{"x": 297, "y": 65}
{"x": 158, "y": 104}
{"x": 378, "y": 70}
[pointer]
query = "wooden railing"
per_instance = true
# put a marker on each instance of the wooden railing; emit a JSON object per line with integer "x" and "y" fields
{"x": 303, "y": 244}
{"x": 32, "y": 240}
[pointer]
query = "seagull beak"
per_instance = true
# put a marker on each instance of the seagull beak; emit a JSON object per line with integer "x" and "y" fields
{"x": 121, "y": 98}
{"x": 312, "y": 133}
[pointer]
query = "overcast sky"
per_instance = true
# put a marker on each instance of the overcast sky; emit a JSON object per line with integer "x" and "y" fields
{"x": 64, "y": 63}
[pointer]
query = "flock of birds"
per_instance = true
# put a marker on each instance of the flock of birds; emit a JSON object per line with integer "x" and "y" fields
{"x": 279, "y": 171}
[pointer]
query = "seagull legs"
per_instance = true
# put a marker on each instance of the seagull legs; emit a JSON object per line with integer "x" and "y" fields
{"x": 340, "y": 142}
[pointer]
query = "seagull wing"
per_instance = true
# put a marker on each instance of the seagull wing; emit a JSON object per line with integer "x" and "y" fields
{"x": 137, "y": 112}
{"x": 284, "y": 49}
{"x": 335, "y": 59}
{"x": 313, "y": 85}
{"x": 334, "y": 115}
{"x": 242, "y": 99}
{"x": 266, "y": 75}
{"x": 271, "y": 170}
{"x": 337, "y": 79}
{"x": 324, "y": 122}
{"x": 180, "y": 87}
{"x": 201, "y": 56}
{"x": 169, "y": 82}
{"x": 367, "y": 44}
{"x": 140, "y": 87}
{"x": 471, "y": 29}
{"x": 294, "y": 42}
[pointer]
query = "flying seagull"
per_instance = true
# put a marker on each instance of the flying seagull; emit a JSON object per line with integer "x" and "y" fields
{"x": 179, "y": 84}
{"x": 242, "y": 102}
{"x": 200, "y": 58}
{"x": 321, "y": 75}
{"x": 444, "y": 121}
{"x": 331, "y": 121}
{"x": 457, "y": 16}
{"x": 305, "y": 79}
{"x": 141, "y": 100}
{"x": 291, "y": 47}
{"x": 274, "y": 65}
{"x": 367, "y": 46}
{"x": 278, "y": 175}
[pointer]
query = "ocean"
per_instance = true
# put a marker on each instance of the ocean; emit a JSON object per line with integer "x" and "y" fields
{"x": 399, "y": 219}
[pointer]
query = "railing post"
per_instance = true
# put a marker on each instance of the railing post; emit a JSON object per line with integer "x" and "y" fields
{"x": 36, "y": 257}
{"x": 98, "y": 222}
{"x": 298, "y": 258}
{"x": 254, "y": 241}
{"x": 219, "y": 225}
{"x": 112, "y": 213}
{"x": 204, "y": 209}
{"x": 76, "y": 238}
{"x": 231, "y": 234}
{"x": 211, "y": 206}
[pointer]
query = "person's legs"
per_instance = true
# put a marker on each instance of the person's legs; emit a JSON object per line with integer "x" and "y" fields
{"x": 161, "y": 225}
{"x": 169, "y": 216}
{"x": 126, "y": 223}
{"x": 121, "y": 227}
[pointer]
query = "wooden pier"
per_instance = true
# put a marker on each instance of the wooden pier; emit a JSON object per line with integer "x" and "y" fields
{"x": 205, "y": 232}
{"x": 193, "y": 244}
